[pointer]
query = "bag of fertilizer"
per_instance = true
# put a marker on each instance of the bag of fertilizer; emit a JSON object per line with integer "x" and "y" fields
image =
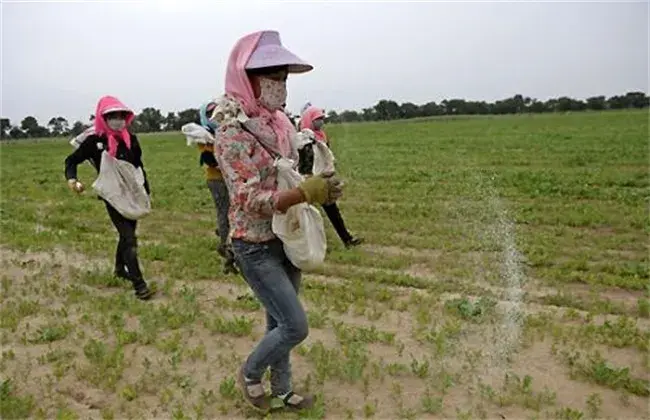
{"x": 197, "y": 134}
{"x": 122, "y": 185}
{"x": 301, "y": 228}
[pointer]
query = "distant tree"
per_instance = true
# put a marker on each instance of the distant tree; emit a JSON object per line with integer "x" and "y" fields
{"x": 409, "y": 110}
{"x": 65, "y": 126}
{"x": 150, "y": 120}
{"x": 596, "y": 103}
{"x": 77, "y": 128}
{"x": 565, "y": 104}
{"x": 455, "y": 106}
{"x": 527, "y": 101}
{"x": 387, "y": 110}
{"x": 637, "y": 100}
{"x": 350, "y": 116}
{"x": 54, "y": 126}
{"x": 617, "y": 102}
{"x": 368, "y": 114}
{"x": 430, "y": 109}
{"x": 171, "y": 122}
{"x": 5, "y": 126}
{"x": 29, "y": 123}
{"x": 58, "y": 126}
{"x": 333, "y": 117}
{"x": 505, "y": 106}
{"x": 186, "y": 116}
{"x": 30, "y": 126}
{"x": 17, "y": 133}
{"x": 537, "y": 106}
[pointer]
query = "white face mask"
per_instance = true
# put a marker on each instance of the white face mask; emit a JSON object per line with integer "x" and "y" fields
{"x": 273, "y": 93}
{"x": 116, "y": 124}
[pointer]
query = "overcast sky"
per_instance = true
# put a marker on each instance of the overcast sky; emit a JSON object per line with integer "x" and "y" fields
{"x": 59, "y": 58}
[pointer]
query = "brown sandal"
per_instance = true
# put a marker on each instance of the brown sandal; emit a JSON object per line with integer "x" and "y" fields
{"x": 253, "y": 392}
{"x": 293, "y": 401}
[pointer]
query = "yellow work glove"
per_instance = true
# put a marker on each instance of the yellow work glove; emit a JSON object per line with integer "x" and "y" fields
{"x": 321, "y": 189}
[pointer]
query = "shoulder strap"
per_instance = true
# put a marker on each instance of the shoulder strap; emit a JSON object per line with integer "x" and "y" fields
{"x": 273, "y": 154}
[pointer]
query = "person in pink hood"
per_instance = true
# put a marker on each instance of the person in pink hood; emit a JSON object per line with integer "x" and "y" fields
{"x": 313, "y": 118}
{"x": 253, "y": 131}
{"x": 111, "y": 134}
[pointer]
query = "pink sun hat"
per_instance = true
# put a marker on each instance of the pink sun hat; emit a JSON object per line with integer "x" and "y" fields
{"x": 270, "y": 53}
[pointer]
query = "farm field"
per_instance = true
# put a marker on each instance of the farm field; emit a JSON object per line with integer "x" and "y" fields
{"x": 504, "y": 275}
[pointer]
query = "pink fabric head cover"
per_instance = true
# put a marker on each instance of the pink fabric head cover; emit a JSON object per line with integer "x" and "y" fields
{"x": 105, "y": 105}
{"x": 306, "y": 120}
{"x": 259, "y": 50}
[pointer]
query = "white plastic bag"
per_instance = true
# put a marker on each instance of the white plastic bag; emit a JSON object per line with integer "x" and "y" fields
{"x": 323, "y": 156}
{"x": 323, "y": 159}
{"x": 302, "y": 138}
{"x": 301, "y": 228}
{"x": 195, "y": 133}
{"x": 122, "y": 185}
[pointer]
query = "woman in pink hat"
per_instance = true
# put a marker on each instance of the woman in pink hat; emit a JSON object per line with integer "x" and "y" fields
{"x": 111, "y": 134}
{"x": 253, "y": 131}
{"x": 313, "y": 118}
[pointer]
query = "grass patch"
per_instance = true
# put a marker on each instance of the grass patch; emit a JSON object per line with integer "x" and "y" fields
{"x": 406, "y": 326}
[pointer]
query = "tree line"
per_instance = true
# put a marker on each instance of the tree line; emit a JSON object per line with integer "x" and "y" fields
{"x": 151, "y": 120}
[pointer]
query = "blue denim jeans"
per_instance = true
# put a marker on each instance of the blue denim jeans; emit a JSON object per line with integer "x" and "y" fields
{"x": 276, "y": 282}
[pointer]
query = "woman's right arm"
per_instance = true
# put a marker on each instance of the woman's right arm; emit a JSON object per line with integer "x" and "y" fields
{"x": 289, "y": 198}
{"x": 83, "y": 152}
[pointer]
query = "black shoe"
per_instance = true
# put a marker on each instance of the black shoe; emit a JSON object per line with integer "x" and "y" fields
{"x": 142, "y": 291}
{"x": 352, "y": 242}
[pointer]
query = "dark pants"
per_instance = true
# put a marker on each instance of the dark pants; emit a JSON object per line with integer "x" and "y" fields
{"x": 126, "y": 255}
{"x": 334, "y": 214}
{"x": 276, "y": 282}
{"x": 222, "y": 203}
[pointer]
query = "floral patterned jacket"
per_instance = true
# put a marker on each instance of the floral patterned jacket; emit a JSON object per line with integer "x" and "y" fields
{"x": 248, "y": 170}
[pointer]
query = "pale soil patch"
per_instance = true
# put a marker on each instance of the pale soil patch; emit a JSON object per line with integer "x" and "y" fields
{"x": 532, "y": 293}
{"x": 420, "y": 270}
{"x": 548, "y": 372}
{"x": 532, "y": 289}
{"x": 172, "y": 381}
{"x": 57, "y": 258}
{"x": 395, "y": 251}
{"x": 483, "y": 263}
